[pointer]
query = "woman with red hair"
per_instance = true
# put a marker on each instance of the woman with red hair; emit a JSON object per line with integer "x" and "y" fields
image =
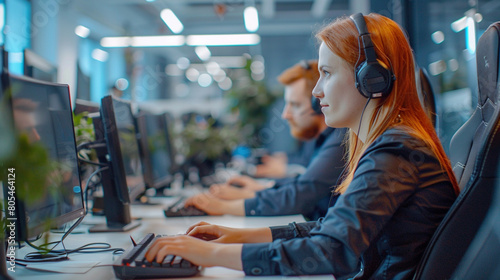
{"x": 398, "y": 183}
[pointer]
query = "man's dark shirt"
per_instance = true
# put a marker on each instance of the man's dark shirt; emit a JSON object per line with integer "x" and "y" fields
{"x": 307, "y": 194}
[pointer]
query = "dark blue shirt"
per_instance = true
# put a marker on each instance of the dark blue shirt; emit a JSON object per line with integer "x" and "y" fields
{"x": 306, "y": 151}
{"x": 378, "y": 228}
{"x": 309, "y": 193}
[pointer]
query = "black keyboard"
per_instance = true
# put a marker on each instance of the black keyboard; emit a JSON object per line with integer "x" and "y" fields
{"x": 177, "y": 209}
{"x": 133, "y": 265}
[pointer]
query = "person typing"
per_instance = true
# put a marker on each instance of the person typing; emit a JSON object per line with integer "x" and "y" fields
{"x": 398, "y": 184}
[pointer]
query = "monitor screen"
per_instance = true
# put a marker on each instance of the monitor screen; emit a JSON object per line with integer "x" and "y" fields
{"x": 157, "y": 151}
{"x": 82, "y": 84}
{"x": 85, "y": 106}
{"x": 123, "y": 149}
{"x": 42, "y": 111}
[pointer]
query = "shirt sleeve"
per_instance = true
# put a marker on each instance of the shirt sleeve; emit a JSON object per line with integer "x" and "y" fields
{"x": 307, "y": 194}
{"x": 383, "y": 181}
{"x": 292, "y": 230}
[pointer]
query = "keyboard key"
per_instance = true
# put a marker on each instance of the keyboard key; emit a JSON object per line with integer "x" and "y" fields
{"x": 186, "y": 263}
{"x": 145, "y": 262}
{"x": 177, "y": 261}
{"x": 137, "y": 266}
{"x": 167, "y": 260}
{"x": 131, "y": 256}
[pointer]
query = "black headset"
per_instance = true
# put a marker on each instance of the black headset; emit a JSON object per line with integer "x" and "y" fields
{"x": 372, "y": 79}
{"x": 316, "y": 107}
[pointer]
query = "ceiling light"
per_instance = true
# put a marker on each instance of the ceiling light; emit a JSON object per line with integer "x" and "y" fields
{"x": 219, "y": 76}
{"x": 470, "y": 35}
{"x": 212, "y": 67}
{"x": 121, "y": 84}
{"x": 192, "y": 74}
{"x": 459, "y": 24}
{"x": 226, "y": 84}
{"x": 478, "y": 17}
{"x": 99, "y": 55}
{"x": 204, "y": 80}
{"x": 179, "y": 40}
{"x": 143, "y": 41}
{"x": 157, "y": 41}
{"x": 183, "y": 63}
{"x": 437, "y": 37}
{"x": 257, "y": 67}
{"x": 82, "y": 31}
{"x": 453, "y": 64}
{"x": 230, "y": 61}
{"x": 437, "y": 67}
{"x": 251, "y": 18}
{"x": 171, "y": 21}
{"x": 116, "y": 42}
{"x": 223, "y": 40}
{"x": 203, "y": 52}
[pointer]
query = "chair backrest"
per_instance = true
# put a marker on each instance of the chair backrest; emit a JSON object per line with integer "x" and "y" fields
{"x": 469, "y": 139}
{"x": 474, "y": 155}
{"x": 481, "y": 259}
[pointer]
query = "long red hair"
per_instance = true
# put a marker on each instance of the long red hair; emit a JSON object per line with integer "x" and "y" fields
{"x": 402, "y": 106}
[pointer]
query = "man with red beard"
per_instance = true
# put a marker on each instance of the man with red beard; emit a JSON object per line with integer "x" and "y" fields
{"x": 307, "y": 194}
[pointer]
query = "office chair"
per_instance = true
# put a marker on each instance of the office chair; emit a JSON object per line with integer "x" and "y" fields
{"x": 474, "y": 149}
{"x": 481, "y": 259}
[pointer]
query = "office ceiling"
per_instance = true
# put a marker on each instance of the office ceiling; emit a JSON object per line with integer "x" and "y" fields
{"x": 140, "y": 17}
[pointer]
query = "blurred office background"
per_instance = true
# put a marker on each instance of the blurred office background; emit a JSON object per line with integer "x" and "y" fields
{"x": 95, "y": 44}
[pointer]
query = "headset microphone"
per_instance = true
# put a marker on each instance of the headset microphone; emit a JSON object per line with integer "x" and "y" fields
{"x": 316, "y": 106}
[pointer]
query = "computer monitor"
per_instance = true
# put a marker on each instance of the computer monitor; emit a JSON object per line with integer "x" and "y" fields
{"x": 123, "y": 182}
{"x": 4, "y": 59}
{"x": 39, "y": 68}
{"x": 157, "y": 152}
{"x": 85, "y": 106}
{"x": 42, "y": 111}
{"x": 82, "y": 84}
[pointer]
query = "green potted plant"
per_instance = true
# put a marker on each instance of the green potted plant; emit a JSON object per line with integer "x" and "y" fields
{"x": 250, "y": 100}
{"x": 205, "y": 143}
{"x": 22, "y": 163}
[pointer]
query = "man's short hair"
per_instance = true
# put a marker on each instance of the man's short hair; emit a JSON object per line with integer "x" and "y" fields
{"x": 305, "y": 69}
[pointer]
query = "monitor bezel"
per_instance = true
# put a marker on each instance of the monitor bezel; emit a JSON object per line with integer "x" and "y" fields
{"x": 125, "y": 193}
{"x": 142, "y": 124}
{"x": 25, "y": 233}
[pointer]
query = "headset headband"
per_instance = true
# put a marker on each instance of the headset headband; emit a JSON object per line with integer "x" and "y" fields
{"x": 365, "y": 36}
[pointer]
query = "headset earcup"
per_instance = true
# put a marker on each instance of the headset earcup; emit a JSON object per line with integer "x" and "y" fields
{"x": 373, "y": 80}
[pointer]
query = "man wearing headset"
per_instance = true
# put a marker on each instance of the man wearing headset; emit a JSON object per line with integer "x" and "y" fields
{"x": 307, "y": 194}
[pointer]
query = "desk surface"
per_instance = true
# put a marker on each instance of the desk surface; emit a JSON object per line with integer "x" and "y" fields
{"x": 152, "y": 220}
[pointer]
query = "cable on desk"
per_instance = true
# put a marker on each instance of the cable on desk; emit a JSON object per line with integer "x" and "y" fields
{"x": 43, "y": 254}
